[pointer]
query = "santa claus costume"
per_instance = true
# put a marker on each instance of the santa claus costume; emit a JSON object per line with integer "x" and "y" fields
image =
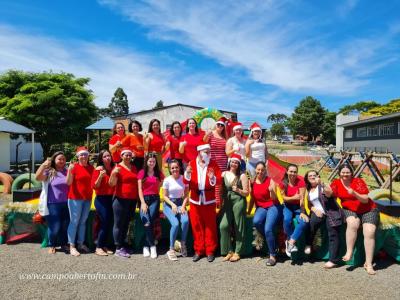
{"x": 202, "y": 175}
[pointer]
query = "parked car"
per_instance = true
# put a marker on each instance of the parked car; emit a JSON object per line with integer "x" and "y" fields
{"x": 285, "y": 140}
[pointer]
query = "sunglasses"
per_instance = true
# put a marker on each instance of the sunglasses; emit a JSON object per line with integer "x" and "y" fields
{"x": 220, "y": 125}
{"x": 152, "y": 154}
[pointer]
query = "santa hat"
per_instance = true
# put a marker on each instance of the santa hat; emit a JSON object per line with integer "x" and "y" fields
{"x": 255, "y": 126}
{"x": 236, "y": 157}
{"x": 236, "y": 126}
{"x": 203, "y": 147}
{"x": 126, "y": 150}
{"x": 81, "y": 150}
{"x": 222, "y": 121}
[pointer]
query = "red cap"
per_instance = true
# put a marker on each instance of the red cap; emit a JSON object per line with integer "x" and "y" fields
{"x": 81, "y": 150}
{"x": 222, "y": 120}
{"x": 235, "y": 156}
{"x": 126, "y": 150}
{"x": 255, "y": 126}
{"x": 236, "y": 125}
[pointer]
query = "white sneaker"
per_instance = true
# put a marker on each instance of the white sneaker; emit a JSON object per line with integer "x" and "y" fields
{"x": 153, "y": 252}
{"x": 146, "y": 252}
{"x": 307, "y": 250}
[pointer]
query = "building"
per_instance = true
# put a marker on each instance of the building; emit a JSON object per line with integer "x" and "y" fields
{"x": 168, "y": 114}
{"x": 379, "y": 134}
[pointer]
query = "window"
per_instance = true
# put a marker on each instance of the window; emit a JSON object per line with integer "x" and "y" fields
{"x": 386, "y": 129}
{"x": 362, "y": 132}
{"x": 348, "y": 134}
{"x": 373, "y": 130}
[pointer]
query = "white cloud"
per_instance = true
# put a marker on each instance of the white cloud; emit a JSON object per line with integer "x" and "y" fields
{"x": 262, "y": 38}
{"x": 144, "y": 80}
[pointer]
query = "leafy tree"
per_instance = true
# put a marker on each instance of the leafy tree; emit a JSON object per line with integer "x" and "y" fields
{"x": 277, "y": 118}
{"x": 392, "y": 107}
{"x": 329, "y": 127}
{"x": 119, "y": 104}
{"x": 361, "y": 106}
{"x": 277, "y": 129}
{"x": 307, "y": 118}
{"x": 159, "y": 104}
{"x": 58, "y": 106}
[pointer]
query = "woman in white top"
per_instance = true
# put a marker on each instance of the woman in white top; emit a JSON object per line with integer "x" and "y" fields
{"x": 323, "y": 208}
{"x": 174, "y": 208}
{"x": 236, "y": 144}
{"x": 256, "y": 150}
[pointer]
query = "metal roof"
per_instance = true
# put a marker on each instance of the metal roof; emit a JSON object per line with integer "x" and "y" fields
{"x": 373, "y": 119}
{"x": 104, "y": 124}
{"x": 11, "y": 127}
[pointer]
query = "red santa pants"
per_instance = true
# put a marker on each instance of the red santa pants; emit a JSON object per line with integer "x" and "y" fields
{"x": 203, "y": 219}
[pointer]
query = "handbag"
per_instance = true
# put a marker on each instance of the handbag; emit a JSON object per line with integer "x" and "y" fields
{"x": 43, "y": 210}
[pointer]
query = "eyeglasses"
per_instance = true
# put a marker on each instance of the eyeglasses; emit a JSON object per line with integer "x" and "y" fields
{"x": 220, "y": 125}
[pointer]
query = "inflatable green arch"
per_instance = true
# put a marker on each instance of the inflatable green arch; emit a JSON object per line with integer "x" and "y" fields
{"x": 207, "y": 113}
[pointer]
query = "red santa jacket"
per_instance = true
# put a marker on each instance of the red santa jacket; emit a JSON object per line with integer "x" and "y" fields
{"x": 209, "y": 190}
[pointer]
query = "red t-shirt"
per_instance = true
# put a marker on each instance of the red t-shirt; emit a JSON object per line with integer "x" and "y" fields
{"x": 127, "y": 187}
{"x": 81, "y": 189}
{"x": 116, "y": 155}
{"x": 156, "y": 143}
{"x": 351, "y": 202}
{"x": 151, "y": 185}
{"x": 104, "y": 189}
{"x": 192, "y": 141}
{"x": 261, "y": 195}
{"x": 293, "y": 190}
{"x": 174, "y": 147}
{"x": 135, "y": 143}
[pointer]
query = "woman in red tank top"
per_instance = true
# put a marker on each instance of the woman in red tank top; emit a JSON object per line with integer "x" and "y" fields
{"x": 268, "y": 209}
{"x": 154, "y": 141}
{"x": 358, "y": 210}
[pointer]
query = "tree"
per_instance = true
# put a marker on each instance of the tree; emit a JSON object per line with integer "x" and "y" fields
{"x": 307, "y": 118}
{"x": 361, "y": 106}
{"x": 277, "y": 118}
{"x": 58, "y": 106}
{"x": 392, "y": 107}
{"x": 277, "y": 129}
{"x": 159, "y": 104}
{"x": 119, "y": 103}
{"x": 329, "y": 127}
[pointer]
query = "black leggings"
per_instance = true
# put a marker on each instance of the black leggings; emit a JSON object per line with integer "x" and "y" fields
{"x": 123, "y": 209}
{"x": 333, "y": 235}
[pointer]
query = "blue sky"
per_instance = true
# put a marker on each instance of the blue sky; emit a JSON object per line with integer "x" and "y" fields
{"x": 252, "y": 57}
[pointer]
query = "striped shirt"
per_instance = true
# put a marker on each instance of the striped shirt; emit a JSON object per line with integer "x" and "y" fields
{"x": 218, "y": 152}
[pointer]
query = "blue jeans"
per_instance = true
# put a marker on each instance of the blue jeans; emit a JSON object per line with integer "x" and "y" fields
{"x": 57, "y": 224}
{"x": 78, "y": 214}
{"x": 174, "y": 221}
{"x": 265, "y": 220}
{"x": 148, "y": 218}
{"x": 289, "y": 211}
{"x": 103, "y": 204}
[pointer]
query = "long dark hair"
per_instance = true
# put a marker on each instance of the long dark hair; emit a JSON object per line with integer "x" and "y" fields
{"x": 285, "y": 179}
{"x": 238, "y": 172}
{"x": 187, "y": 126}
{"x": 151, "y": 125}
{"x": 156, "y": 170}
{"x": 53, "y": 171}
{"x": 115, "y": 127}
{"x": 134, "y": 122}
{"x": 308, "y": 184}
{"x": 171, "y": 130}
{"x": 100, "y": 159}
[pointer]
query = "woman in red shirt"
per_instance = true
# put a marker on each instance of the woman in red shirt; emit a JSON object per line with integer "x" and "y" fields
{"x": 154, "y": 141}
{"x": 134, "y": 141}
{"x": 103, "y": 201}
{"x": 174, "y": 138}
{"x": 116, "y": 141}
{"x": 268, "y": 209}
{"x": 190, "y": 141}
{"x": 293, "y": 189}
{"x": 80, "y": 193}
{"x": 358, "y": 210}
{"x": 124, "y": 178}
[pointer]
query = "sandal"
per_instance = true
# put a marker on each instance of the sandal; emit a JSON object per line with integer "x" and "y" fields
{"x": 370, "y": 269}
{"x": 270, "y": 262}
{"x": 100, "y": 252}
{"x": 74, "y": 252}
{"x": 330, "y": 265}
{"x": 228, "y": 256}
{"x": 235, "y": 257}
{"x": 52, "y": 250}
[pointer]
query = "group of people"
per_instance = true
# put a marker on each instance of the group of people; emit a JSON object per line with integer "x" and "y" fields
{"x": 210, "y": 174}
